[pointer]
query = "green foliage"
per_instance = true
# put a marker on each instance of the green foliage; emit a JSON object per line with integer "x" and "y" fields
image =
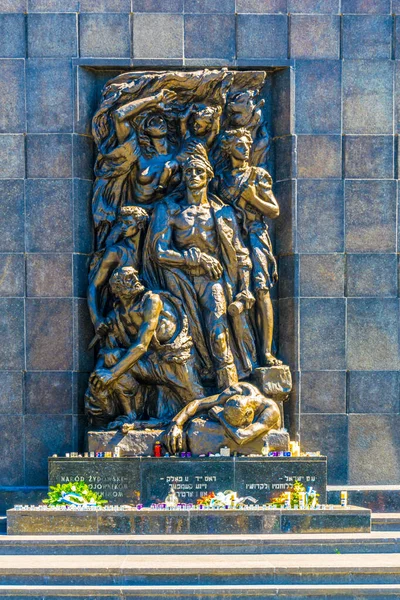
{"x": 295, "y": 490}
{"x": 81, "y": 494}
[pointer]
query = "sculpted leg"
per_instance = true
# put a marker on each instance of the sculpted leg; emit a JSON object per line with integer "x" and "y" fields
{"x": 214, "y": 310}
{"x": 265, "y": 326}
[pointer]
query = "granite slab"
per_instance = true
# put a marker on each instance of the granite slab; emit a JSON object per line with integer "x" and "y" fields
{"x": 191, "y": 522}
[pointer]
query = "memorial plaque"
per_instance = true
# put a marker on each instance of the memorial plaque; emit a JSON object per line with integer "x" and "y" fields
{"x": 147, "y": 480}
{"x": 191, "y": 478}
{"x": 117, "y": 479}
{"x": 265, "y": 478}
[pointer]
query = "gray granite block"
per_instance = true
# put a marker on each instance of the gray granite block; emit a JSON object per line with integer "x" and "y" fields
{"x": 373, "y": 391}
{"x": 314, "y": 6}
{"x": 12, "y": 87}
{"x": 44, "y": 39}
{"x": 285, "y": 226}
{"x": 12, "y": 36}
{"x": 153, "y": 6}
{"x": 104, "y": 35}
{"x": 322, "y": 275}
{"x": 395, "y": 6}
{"x": 13, "y": 6}
{"x": 12, "y": 156}
{"x": 12, "y": 334}
{"x": 367, "y": 36}
{"x": 49, "y": 334}
{"x": 49, "y": 275}
{"x": 368, "y": 96}
{"x": 288, "y": 269}
{"x": 285, "y": 152}
{"x": 372, "y": 334}
{"x": 318, "y": 93}
{"x": 319, "y": 156}
{"x": 49, "y": 95}
{"x": 83, "y": 149}
{"x": 49, "y": 215}
{"x": 203, "y": 37}
{"x": 83, "y": 334}
{"x": 49, "y": 155}
{"x": 367, "y": 7}
{"x": 80, "y": 273}
{"x": 11, "y": 450}
{"x": 373, "y": 449}
{"x": 79, "y": 386}
{"x": 282, "y": 112}
{"x": 262, "y": 36}
{"x": 323, "y": 392}
{"x": 83, "y": 227}
{"x": 327, "y": 433}
{"x": 368, "y": 156}
{"x": 288, "y": 349}
{"x": 53, "y": 6}
{"x": 314, "y": 36}
{"x": 209, "y": 6}
{"x": 322, "y": 333}
{"x": 12, "y": 204}
{"x": 48, "y": 392}
{"x": 45, "y": 435}
{"x": 12, "y": 392}
{"x": 370, "y": 216}
{"x": 371, "y": 275}
{"x": 12, "y": 275}
{"x": 104, "y": 6}
{"x": 320, "y": 225}
{"x": 86, "y": 101}
{"x": 157, "y": 35}
{"x": 261, "y": 6}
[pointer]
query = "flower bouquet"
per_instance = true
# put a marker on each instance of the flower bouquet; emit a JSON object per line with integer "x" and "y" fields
{"x": 225, "y": 499}
{"x": 73, "y": 494}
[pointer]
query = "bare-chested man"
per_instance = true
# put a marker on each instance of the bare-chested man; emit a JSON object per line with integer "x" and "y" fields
{"x": 147, "y": 343}
{"x": 203, "y": 260}
{"x": 244, "y": 413}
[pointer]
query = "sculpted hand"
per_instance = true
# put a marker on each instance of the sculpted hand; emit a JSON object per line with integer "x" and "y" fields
{"x": 101, "y": 327}
{"x": 215, "y": 412}
{"x": 165, "y": 97}
{"x": 174, "y": 438}
{"x": 211, "y": 265}
{"x": 249, "y": 193}
{"x": 247, "y": 298}
{"x": 100, "y": 379}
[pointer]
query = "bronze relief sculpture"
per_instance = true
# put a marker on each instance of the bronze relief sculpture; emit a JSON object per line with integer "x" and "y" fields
{"x": 179, "y": 285}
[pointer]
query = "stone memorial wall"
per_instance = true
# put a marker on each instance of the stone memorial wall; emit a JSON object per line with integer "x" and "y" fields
{"x": 332, "y": 106}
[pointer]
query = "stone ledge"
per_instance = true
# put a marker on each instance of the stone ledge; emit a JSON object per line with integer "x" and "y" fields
{"x": 151, "y": 522}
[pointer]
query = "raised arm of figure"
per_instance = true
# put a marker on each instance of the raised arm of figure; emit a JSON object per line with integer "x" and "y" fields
{"x": 108, "y": 263}
{"x": 126, "y": 112}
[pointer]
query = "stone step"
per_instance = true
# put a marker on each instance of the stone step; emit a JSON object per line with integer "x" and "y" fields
{"x": 314, "y": 543}
{"x": 202, "y": 592}
{"x": 239, "y": 570}
{"x": 385, "y": 521}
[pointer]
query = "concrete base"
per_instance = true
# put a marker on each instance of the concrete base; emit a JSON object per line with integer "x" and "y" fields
{"x": 151, "y": 522}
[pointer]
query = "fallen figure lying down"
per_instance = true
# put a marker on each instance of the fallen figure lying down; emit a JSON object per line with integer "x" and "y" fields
{"x": 241, "y": 409}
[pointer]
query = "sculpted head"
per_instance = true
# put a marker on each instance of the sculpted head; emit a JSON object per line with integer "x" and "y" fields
{"x": 237, "y": 411}
{"x": 202, "y": 118}
{"x": 132, "y": 219}
{"x": 240, "y": 108}
{"x": 155, "y": 126}
{"x": 197, "y": 170}
{"x": 237, "y": 143}
{"x": 125, "y": 283}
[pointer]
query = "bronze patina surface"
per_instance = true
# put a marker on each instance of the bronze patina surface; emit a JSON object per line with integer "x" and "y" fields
{"x": 179, "y": 286}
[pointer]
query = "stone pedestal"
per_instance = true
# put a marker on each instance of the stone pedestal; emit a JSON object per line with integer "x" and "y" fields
{"x": 148, "y": 480}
